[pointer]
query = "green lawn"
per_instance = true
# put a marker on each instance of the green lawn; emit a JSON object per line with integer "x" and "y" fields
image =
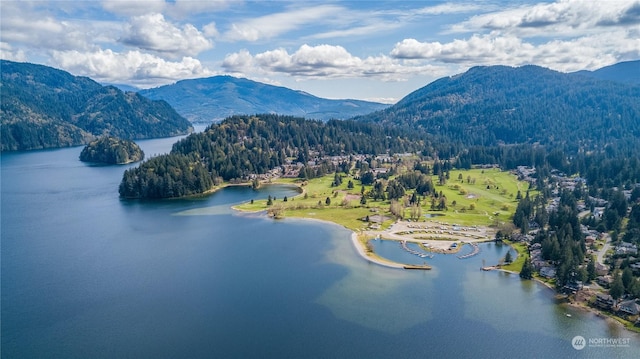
{"x": 489, "y": 197}
{"x": 523, "y": 254}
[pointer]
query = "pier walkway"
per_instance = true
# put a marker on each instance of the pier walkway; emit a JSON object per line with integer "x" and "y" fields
{"x": 476, "y": 250}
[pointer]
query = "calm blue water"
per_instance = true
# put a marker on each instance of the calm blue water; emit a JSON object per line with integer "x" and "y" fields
{"x": 87, "y": 275}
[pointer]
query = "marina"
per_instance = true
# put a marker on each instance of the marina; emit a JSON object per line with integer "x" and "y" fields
{"x": 420, "y": 254}
{"x": 476, "y": 250}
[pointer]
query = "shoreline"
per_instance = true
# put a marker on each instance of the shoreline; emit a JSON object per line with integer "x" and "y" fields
{"x": 370, "y": 256}
{"x": 357, "y": 245}
{"x": 576, "y": 304}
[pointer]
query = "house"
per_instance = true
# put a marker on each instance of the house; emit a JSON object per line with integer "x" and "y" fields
{"x": 601, "y": 269}
{"x": 605, "y": 280}
{"x": 572, "y": 287}
{"x": 538, "y": 263}
{"x": 598, "y": 212}
{"x": 630, "y": 247}
{"x": 626, "y": 250}
{"x": 604, "y": 301}
{"x": 548, "y": 272}
{"x": 629, "y": 307}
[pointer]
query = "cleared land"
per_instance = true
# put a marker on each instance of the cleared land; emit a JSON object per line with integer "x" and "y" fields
{"x": 483, "y": 197}
{"x": 478, "y": 201}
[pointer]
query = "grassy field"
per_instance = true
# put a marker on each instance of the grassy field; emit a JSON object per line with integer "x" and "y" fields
{"x": 523, "y": 254}
{"x": 482, "y": 197}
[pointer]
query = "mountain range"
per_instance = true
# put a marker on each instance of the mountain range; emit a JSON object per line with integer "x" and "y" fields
{"x": 43, "y": 107}
{"x": 626, "y": 72}
{"x": 490, "y": 105}
{"x": 215, "y": 98}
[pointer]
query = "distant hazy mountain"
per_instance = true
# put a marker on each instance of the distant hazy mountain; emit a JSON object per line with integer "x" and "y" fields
{"x": 43, "y": 107}
{"x": 123, "y": 87}
{"x": 215, "y": 98}
{"x": 529, "y": 104}
{"x": 625, "y": 72}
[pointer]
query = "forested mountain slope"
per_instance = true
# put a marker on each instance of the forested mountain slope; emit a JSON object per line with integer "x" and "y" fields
{"x": 498, "y": 104}
{"x": 624, "y": 72}
{"x": 43, "y": 107}
{"x": 218, "y": 97}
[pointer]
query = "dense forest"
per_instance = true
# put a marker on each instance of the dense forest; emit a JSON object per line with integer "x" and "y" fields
{"x": 111, "y": 150}
{"x": 166, "y": 176}
{"x": 241, "y": 146}
{"x": 488, "y": 106}
{"x": 43, "y": 107}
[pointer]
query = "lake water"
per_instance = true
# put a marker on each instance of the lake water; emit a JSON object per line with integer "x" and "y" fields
{"x": 87, "y": 275}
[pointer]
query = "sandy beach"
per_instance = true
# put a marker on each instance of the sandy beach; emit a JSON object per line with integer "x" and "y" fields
{"x": 371, "y": 257}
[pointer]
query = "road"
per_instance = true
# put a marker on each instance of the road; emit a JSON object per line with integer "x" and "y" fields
{"x": 605, "y": 248}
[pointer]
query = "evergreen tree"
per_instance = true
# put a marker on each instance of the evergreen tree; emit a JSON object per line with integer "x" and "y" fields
{"x": 508, "y": 258}
{"x": 591, "y": 269}
{"x": 527, "y": 269}
{"x": 617, "y": 287}
{"x": 627, "y": 278}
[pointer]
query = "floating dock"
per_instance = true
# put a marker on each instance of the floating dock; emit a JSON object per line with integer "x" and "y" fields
{"x": 403, "y": 244}
{"x": 476, "y": 250}
{"x": 422, "y": 267}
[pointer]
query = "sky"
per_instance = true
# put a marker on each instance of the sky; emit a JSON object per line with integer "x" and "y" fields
{"x": 370, "y": 50}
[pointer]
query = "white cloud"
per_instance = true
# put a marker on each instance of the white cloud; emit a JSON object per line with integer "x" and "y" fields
{"x": 478, "y": 48}
{"x": 561, "y": 18}
{"x": 8, "y": 53}
{"x": 131, "y": 67}
{"x": 239, "y": 62}
{"x": 587, "y": 52}
{"x": 153, "y": 32}
{"x": 325, "y": 61}
{"x": 270, "y": 26}
{"x": 210, "y": 30}
{"x": 21, "y": 23}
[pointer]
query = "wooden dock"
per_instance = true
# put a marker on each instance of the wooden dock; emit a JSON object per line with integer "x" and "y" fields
{"x": 476, "y": 250}
{"x": 422, "y": 267}
{"x": 403, "y": 244}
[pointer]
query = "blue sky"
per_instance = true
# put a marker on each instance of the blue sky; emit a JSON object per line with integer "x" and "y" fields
{"x": 373, "y": 50}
